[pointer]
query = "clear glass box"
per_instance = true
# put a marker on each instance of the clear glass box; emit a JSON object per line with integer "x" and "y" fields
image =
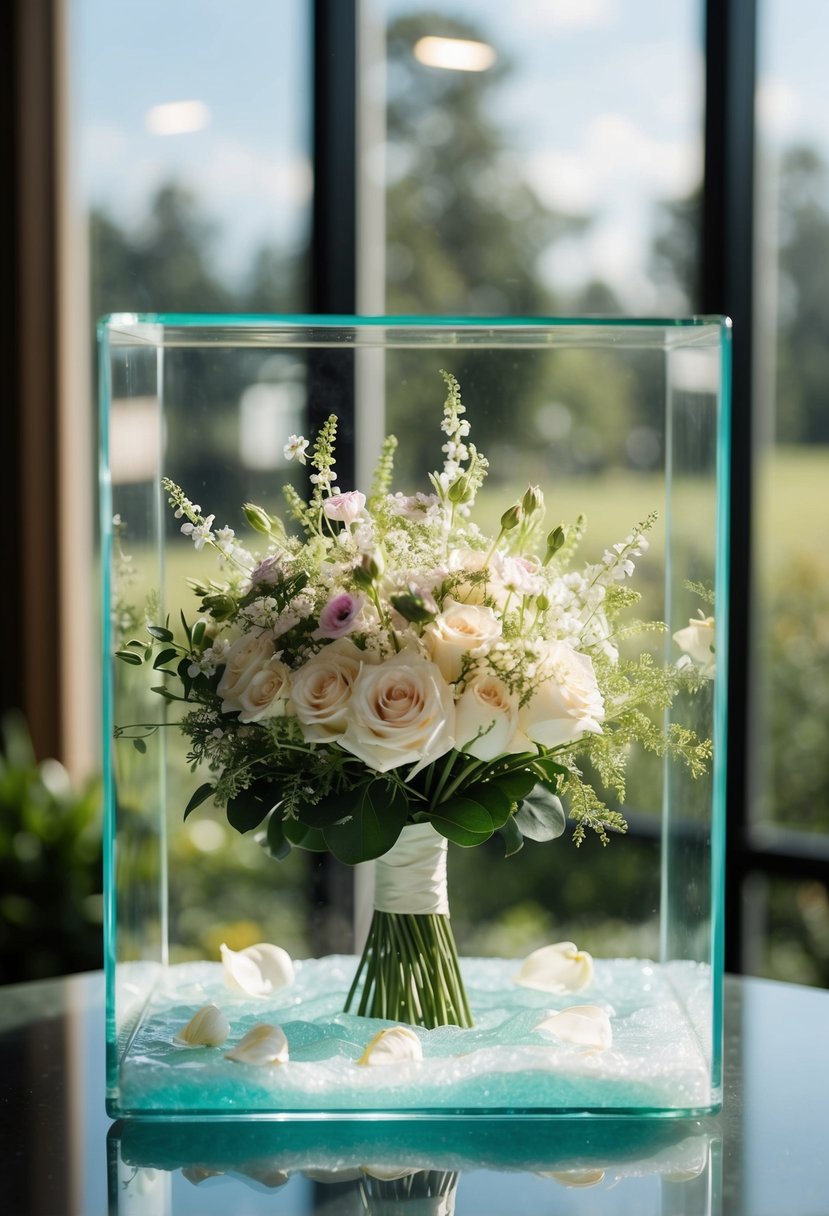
{"x": 614, "y": 419}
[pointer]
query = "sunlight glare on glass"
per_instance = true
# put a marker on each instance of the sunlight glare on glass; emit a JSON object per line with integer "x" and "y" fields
{"x": 177, "y": 118}
{"x": 454, "y": 54}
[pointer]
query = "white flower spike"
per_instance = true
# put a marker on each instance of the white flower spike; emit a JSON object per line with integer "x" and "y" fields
{"x": 207, "y": 1028}
{"x": 264, "y": 1045}
{"x": 394, "y": 1045}
{"x": 584, "y": 1025}
{"x": 295, "y": 448}
{"x": 257, "y": 970}
{"x": 559, "y": 968}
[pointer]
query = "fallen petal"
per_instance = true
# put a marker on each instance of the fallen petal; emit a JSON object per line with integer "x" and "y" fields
{"x": 587, "y": 1025}
{"x": 559, "y": 968}
{"x": 207, "y": 1028}
{"x": 577, "y": 1177}
{"x": 263, "y": 1044}
{"x": 199, "y": 1173}
{"x": 257, "y": 970}
{"x": 392, "y": 1046}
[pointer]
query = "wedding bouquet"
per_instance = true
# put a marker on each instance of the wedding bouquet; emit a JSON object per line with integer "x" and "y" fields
{"x": 380, "y": 678}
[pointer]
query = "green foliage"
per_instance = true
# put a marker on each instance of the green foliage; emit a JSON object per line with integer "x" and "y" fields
{"x": 50, "y": 865}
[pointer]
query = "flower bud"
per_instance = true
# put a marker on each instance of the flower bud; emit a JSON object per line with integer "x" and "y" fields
{"x": 369, "y": 569}
{"x": 460, "y": 490}
{"x": 533, "y": 500}
{"x": 512, "y": 517}
{"x": 414, "y": 608}
{"x": 555, "y": 540}
{"x": 258, "y": 519}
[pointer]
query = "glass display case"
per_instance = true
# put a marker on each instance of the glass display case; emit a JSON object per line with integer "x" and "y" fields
{"x": 415, "y": 769}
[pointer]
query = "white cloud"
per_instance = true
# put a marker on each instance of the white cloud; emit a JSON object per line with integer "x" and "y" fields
{"x": 616, "y": 160}
{"x": 779, "y": 107}
{"x": 565, "y": 14}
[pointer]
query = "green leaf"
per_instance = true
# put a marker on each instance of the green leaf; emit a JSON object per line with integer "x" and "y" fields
{"x": 140, "y": 746}
{"x": 493, "y": 798}
{"x": 304, "y": 837}
{"x": 127, "y": 656}
{"x": 249, "y": 807}
{"x": 164, "y": 656}
{"x": 159, "y": 633}
{"x": 378, "y": 816}
{"x": 201, "y": 795}
{"x": 276, "y": 842}
{"x": 329, "y": 810}
{"x": 198, "y": 633}
{"x": 516, "y": 786}
{"x": 510, "y": 833}
{"x": 541, "y": 815}
{"x": 548, "y": 770}
{"x": 165, "y": 692}
{"x": 463, "y": 821}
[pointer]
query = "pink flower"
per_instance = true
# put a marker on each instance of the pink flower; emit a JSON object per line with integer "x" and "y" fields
{"x": 345, "y": 507}
{"x": 339, "y": 614}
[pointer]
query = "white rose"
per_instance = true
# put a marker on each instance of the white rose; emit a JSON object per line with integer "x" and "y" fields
{"x": 401, "y": 712}
{"x": 321, "y": 690}
{"x": 246, "y": 656}
{"x": 459, "y": 629}
{"x": 697, "y": 640}
{"x": 486, "y": 717}
{"x": 567, "y": 701}
{"x": 266, "y": 695}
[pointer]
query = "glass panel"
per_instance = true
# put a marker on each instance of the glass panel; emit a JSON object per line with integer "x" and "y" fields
{"x": 789, "y": 927}
{"x": 531, "y": 158}
{"x": 791, "y": 770}
{"x": 203, "y": 385}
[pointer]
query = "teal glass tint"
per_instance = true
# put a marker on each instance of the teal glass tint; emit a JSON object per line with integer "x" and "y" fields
{"x": 615, "y": 420}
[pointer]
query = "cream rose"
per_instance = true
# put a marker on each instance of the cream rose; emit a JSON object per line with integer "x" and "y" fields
{"x": 401, "y": 712}
{"x": 321, "y": 690}
{"x": 486, "y": 717}
{"x": 246, "y": 656}
{"x": 459, "y": 629}
{"x": 567, "y": 701}
{"x": 266, "y": 695}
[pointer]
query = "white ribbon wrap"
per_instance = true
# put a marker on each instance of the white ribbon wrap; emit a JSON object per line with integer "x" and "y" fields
{"x": 411, "y": 877}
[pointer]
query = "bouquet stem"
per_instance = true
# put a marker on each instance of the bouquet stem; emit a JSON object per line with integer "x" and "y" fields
{"x": 410, "y": 972}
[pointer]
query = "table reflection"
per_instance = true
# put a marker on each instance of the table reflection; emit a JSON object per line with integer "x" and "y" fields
{"x": 408, "y": 1168}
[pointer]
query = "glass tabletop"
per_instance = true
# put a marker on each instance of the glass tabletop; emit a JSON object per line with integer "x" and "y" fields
{"x": 762, "y": 1156}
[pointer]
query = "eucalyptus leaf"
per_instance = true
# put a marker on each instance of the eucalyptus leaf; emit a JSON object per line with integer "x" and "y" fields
{"x": 330, "y": 809}
{"x": 378, "y": 816}
{"x": 494, "y": 799}
{"x": 248, "y": 808}
{"x": 276, "y": 841}
{"x": 516, "y": 786}
{"x": 304, "y": 837}
{"x": 201, "y": 795}
{"x": 541, "y": 816}
{"x": 511, "y": 835}
{"x": 463, "y": 821}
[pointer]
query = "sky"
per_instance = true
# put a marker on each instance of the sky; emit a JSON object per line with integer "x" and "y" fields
{"x": 603, "y": 110}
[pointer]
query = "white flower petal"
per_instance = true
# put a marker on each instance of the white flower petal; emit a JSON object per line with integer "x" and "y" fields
{"x": 559, "y": 968}
{"x": 576, "y": 1178}
{"x": 264, "y": 1044}
{"x": 586, "y": 1025}
{"x": 392, "y": 1046}
{"x": 257, "y": 970}
{"x": 388, "y": 1173}
{"x": 207, "y": 1028}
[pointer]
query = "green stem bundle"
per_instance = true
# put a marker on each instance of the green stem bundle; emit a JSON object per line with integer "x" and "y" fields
{"x": 410, "y": 972}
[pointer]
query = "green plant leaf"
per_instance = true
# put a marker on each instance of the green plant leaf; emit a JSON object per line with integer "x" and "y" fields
{"x": 510, "y": 833}
{"x": 159, "y": 633}
{"x": 140, "y": 746}
{"x": 516, "y": 786}
{"x": 541, "y": 815}
{"x": 164, "y": 656}
{"x": 378, "y": 816}
{"x": 127, "y": 656}
{"x": 201, "y": 795}
{"x": 249, "y": 807}
{"x": 276, "y": 842}
{"x": 548, "y": 770}
{"x": 493, "y": 798}
{"x": 304, "y": 837}
{"x": 463, "y": 821}
{"x": 330, "y": 809}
